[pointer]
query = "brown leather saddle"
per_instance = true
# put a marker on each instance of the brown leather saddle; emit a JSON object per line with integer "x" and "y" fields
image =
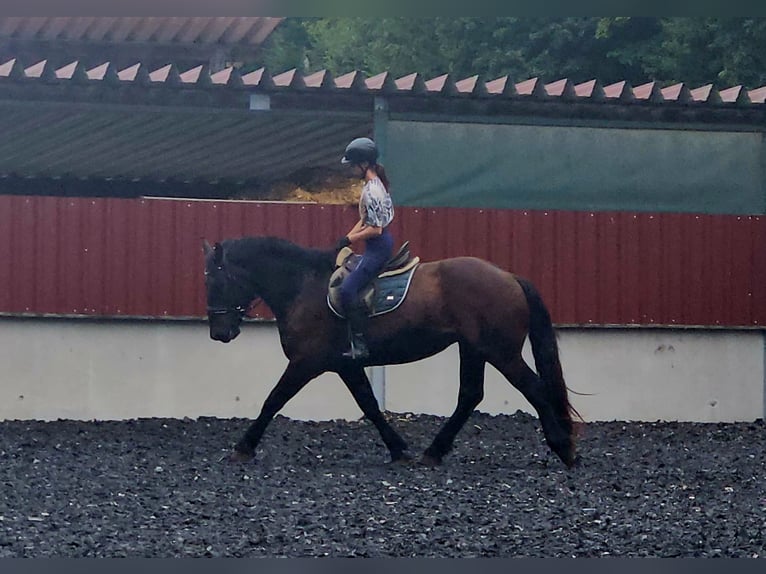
{"x": 386, "y": 292}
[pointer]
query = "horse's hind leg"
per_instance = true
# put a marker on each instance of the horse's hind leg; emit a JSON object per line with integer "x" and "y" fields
{"x": 469, "y": 396}
{"x": 557, "y": 434}
{"x": 358, "y": 384}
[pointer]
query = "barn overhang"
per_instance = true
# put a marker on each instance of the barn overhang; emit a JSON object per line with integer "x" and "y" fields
{"x": 173, "y": 127}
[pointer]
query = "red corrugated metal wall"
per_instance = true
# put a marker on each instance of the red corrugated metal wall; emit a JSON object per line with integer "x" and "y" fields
{"x": 117, "y": 257}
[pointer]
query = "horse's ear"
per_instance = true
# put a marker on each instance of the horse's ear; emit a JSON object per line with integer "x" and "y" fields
{"x": 206, "y": 247}
{"x": 218, "y": 254}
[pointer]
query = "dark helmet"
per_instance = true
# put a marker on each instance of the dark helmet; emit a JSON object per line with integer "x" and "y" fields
{"x": 361, "y": 150}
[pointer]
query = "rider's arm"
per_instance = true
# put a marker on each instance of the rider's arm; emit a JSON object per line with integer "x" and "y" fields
{"x": 359, "y": 225}
{"x": 365, "y": 232}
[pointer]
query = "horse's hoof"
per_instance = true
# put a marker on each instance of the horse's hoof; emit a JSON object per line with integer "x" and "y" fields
{"x": 236, "y": 457}
{"x": 430, "y": 461}
{"x": 403, "y": 459}
{"x": 574, "y": 462}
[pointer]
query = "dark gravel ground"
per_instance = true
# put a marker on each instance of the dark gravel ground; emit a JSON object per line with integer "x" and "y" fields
{"x": 155, "y": 488}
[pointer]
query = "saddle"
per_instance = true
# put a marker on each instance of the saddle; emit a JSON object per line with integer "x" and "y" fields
{"x": 387, "y": 290}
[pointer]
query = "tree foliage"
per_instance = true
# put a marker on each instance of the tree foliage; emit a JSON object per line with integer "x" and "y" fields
{"x": 724, "y": 51}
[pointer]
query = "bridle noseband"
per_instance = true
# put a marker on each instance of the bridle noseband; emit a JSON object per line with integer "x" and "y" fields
{"x": 240, "y": 310}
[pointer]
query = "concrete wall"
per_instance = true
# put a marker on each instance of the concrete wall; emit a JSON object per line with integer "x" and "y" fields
{"x": 82, "y": 369}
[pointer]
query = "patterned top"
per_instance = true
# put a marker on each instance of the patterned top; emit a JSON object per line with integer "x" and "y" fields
{"x": 375, "y": 206}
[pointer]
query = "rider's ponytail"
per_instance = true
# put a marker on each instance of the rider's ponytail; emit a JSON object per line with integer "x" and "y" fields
{"x": 380, "y": 170}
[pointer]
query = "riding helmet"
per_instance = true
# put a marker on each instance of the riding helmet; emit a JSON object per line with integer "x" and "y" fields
{"x": 361, "y": 150}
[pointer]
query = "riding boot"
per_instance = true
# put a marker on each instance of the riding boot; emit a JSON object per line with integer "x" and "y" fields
{"x": 357, "y": 321}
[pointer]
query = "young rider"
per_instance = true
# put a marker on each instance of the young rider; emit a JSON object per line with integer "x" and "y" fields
{"x": 376, "y": 212}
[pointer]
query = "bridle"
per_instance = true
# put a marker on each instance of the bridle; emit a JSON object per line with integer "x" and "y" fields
{"x": 240, "y": 310}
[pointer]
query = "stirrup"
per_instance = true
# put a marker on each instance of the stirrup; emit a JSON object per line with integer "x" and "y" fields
{"x": 358, "y": 349}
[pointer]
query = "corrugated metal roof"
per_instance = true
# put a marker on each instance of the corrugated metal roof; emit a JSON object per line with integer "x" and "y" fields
{"x": 154, "y": 29}
{"x": 64, "y": 141}
{"x": 386, "y": 84}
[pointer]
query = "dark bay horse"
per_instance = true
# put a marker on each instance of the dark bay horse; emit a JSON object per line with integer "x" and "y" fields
{"x": 488, "y": 312}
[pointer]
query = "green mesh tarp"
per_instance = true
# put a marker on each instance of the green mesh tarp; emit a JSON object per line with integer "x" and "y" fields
{"x": 439, "y": 164}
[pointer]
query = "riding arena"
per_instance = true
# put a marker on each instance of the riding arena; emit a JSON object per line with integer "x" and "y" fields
{"x": 571, "y": 363}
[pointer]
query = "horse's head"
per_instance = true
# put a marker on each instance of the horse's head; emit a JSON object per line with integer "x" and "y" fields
{"x": 228, "y": 295}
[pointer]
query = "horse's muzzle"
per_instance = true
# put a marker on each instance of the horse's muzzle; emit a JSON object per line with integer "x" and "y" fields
{"x": 225, "y": 335}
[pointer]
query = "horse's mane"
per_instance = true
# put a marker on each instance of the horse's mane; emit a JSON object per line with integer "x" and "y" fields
{"x": 250, "y": 249}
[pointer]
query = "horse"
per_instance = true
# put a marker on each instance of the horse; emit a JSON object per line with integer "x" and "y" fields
{"x": 486, "y": 310}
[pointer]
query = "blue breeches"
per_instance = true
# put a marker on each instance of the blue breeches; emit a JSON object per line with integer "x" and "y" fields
{"x": 377, "y": 252}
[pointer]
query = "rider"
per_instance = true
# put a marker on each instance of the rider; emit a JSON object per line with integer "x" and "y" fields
{"x": 376, "y": 211}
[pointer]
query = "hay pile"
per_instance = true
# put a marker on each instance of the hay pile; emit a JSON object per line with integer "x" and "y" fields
{"x": 311, "y": 186}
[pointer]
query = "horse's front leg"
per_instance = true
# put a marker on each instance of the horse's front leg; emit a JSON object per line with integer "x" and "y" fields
{"x": 357, "y": 382}
{"x": 295, "y": 377}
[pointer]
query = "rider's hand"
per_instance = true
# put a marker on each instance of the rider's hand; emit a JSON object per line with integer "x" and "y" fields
{"x": 342, "y": 242}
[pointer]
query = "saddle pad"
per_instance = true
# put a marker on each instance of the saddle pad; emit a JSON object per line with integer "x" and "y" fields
{"x": 388, "y": 293}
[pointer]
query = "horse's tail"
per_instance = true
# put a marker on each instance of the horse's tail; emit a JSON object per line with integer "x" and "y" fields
{"x": 545, "y": 350}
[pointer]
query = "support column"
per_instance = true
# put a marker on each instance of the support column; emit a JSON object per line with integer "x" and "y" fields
{"x": 380, "y": 126}
{"x": 377, "y": 374}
